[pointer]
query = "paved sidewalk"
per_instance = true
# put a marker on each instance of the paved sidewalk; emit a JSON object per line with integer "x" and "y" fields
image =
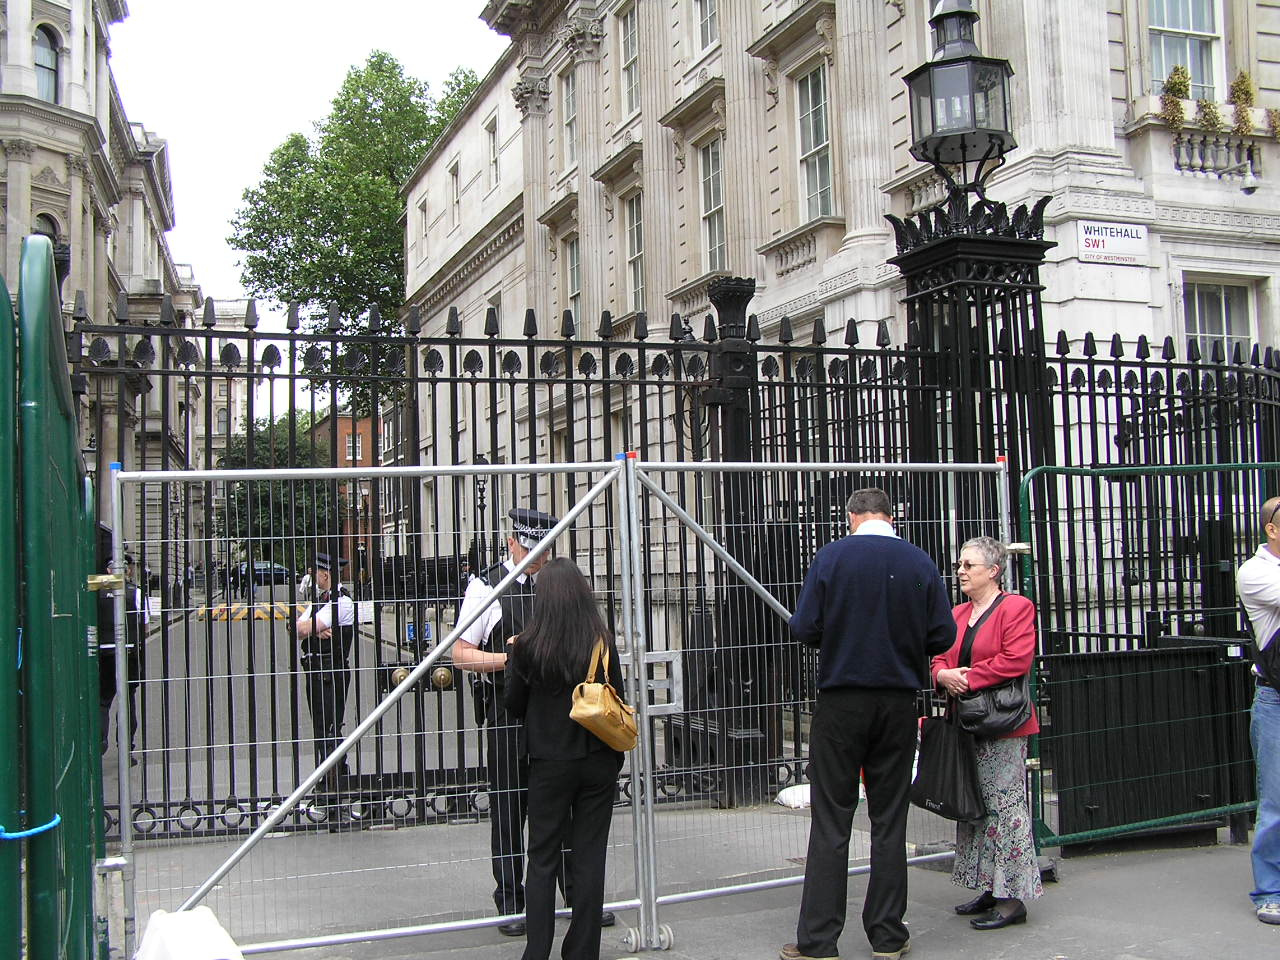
{"x": 1173, "y": 904}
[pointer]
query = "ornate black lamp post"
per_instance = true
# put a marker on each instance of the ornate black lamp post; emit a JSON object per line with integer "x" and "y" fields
{"x": 960, "y": 103}
{"x": 974, "y": 329}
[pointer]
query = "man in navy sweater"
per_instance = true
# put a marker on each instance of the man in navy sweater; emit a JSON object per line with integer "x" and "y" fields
{"x": 876, "y": 609}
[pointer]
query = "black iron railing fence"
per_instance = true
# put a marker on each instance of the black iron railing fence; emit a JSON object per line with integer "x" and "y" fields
{"x": 972, "y": 382}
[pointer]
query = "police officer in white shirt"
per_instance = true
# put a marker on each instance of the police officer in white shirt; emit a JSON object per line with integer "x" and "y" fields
{"x": 326, "y": 631}
{"x": 1258, "y": 584}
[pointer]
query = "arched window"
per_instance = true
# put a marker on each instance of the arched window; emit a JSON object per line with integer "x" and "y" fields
{"x": 223, "y": 424}
{"x": 46, "y": 65}
{"x": 46, "y": 226}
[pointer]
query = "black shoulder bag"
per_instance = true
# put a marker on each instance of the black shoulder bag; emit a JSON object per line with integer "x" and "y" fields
{"x": 947, "y": 770}
{"x": 992, "y": 711}
{"x": 1266, "y": 659}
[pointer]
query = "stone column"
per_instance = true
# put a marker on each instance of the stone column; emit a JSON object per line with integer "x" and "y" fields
{"x": 101, "y": 245}
{"x": 81, "y": 254}
{"x": 582, "y": 37}
{"x": 77, "y": 96}
{"x": 859, "y": 102}
{"x": 102, "y": 104}
{"x": 658, "y": 175}
{"x": 531, "y": 93}
{"x": 744, "y": 132}
{"x": 20, "y": 71}
{"x": 1059, "y": 51}
{"x": 17, "y": 201}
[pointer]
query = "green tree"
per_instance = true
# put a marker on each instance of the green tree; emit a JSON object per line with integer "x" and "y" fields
{"x": 324, "y": 223}
{"x": 278, "y": 520}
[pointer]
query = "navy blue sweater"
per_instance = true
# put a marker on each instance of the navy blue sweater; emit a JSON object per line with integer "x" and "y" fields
{"x": 877, "y": 610}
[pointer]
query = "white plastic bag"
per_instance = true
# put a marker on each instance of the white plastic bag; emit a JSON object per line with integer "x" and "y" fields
{"x": 796, "y": 797}
{"x": 186, "y": 935}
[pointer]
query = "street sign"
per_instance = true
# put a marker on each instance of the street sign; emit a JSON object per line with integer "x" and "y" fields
{"x": 1123, "y": 244}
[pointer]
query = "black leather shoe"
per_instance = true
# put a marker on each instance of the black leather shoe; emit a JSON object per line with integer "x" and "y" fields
{"x": 607, "y": 919}
{"x": 979, "y": 904}
{"x": 515, "y": 928}
{"x": 994, "y": 919}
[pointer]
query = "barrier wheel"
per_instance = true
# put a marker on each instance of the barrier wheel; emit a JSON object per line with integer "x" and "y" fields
{"x": 666, "y": 936}
{"x": 631, "y": 939}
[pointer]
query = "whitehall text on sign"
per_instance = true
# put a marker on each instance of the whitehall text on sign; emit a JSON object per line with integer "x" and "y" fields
{"x": 1119, "y": 243}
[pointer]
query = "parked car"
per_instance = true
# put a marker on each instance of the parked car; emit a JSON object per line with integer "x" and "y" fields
{"x": 264, "y": 572}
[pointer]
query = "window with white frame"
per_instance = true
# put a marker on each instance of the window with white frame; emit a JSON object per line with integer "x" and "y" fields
{"x": 708, "y": 12}
{"x": 1216, "y": 312}
{"x": 355, "y": 447}
{"x": 712, "y": 206}
{"x": 46, "y": 57}
{"x": 569, "y": 109}
{"x": 1185, "y": 32}
{"x": 491, "y": 134}
{"x": 455, "y": 193}
{"x": 573, "y": 277}
{"x": 423, "y": 222}
{"x": 815, "y": 144}
{"x": 629, "y": 48}
{"x": 634, "y": 210}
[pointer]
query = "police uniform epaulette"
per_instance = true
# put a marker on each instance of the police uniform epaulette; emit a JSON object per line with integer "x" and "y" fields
{"x": 492, "y": 575}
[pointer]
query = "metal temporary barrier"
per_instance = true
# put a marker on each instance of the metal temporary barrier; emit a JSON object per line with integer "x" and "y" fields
{"x": 1144, "y": 682}
{"x": 59, "y": 768}
{"x": 10, "y": 792}
{"x": 234, "y": 800}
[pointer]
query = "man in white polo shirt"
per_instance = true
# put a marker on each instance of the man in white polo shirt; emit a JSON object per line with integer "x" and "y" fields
{"x": 1258, "y": 584}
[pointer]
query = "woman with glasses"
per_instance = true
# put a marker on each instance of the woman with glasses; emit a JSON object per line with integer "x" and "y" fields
{"x": 996, "y": 855}
{"x": 572, "y": 773}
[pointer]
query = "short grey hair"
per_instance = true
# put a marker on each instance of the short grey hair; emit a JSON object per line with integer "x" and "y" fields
{"x": 869, "y": 500}
{"x": 994, "y": 553}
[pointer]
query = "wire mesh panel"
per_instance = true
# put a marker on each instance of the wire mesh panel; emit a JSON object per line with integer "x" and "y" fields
{"x": 737, "y": 737}
{"x": 1145, "y": 682}
{"x": 235, "y": 709}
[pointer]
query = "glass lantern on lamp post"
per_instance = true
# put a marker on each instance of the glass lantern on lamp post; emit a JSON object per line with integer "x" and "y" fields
{"x": 959, "y": 103}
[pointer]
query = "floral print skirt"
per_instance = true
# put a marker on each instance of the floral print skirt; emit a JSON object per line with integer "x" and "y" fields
{"x": 997, "y": 853}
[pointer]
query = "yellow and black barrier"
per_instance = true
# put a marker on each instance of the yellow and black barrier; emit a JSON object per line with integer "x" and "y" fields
{"x": 243, "y": 611}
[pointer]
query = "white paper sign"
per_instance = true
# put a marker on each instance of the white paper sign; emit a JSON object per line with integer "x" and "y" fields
{"x": 1119, "y": 243}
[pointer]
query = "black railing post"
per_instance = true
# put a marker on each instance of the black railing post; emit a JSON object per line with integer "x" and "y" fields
{"x": 742, "y": 668}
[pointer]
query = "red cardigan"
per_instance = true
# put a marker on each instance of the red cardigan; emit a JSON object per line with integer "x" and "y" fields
{"x": 1005, "y": 647}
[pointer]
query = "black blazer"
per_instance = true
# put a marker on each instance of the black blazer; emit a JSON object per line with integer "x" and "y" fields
{"x": 548, "y": 732}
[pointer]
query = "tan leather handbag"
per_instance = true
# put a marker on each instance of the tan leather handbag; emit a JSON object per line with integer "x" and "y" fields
{"x": 598, "y": 708}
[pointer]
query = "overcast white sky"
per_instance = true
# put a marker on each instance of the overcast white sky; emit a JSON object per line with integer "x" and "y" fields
{"x": 226, "y": 82}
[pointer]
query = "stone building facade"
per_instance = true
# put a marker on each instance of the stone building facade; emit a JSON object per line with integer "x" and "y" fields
{"x": 622, "y": 154}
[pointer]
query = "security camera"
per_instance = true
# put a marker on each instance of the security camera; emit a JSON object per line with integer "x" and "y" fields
{"x": 1249, "y": 185}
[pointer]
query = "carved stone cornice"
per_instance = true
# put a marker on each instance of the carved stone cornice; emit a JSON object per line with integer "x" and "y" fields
{"x": 19, "y": 149}
{"x": 531, "y": 95}
{"x": 581, "y": 37}
{"x": 78, "y": 165}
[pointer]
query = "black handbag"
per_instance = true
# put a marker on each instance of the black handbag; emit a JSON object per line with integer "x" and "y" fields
{"x": 947, "y": 772}
{"x": 992, "y": 711}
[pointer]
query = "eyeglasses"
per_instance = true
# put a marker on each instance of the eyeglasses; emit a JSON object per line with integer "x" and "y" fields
{"x": 1272, "y": 518}
{"x": 966, "y": 565}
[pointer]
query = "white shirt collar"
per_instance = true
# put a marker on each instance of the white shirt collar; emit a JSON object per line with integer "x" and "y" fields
{"x": 1265, "y": 553}
{"x": 876, "y": 528}
{"x": 511, "y": 565}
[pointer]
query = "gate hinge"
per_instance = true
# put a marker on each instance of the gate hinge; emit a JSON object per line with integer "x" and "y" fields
{"x": 1020, "y": 547}
{"x": 105, "y": 581}
{"x": 1033, "y": 763}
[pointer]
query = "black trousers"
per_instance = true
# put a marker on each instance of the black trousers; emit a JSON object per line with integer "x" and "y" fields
{"x": 508, "y": 768}
{"x": 107, "y": 696}
{"x": 508, "y": 771}
{"x": 328, "y": 679}
{"x": 873, "y": 731}
{"x": 568, "y": 800}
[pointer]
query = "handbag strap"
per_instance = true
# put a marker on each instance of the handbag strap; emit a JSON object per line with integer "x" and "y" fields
{"x": 597, "y": 653}
{"x": 971, "y": 634}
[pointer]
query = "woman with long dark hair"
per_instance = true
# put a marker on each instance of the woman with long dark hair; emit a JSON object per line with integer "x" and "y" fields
{"x": 572, "y": 773}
